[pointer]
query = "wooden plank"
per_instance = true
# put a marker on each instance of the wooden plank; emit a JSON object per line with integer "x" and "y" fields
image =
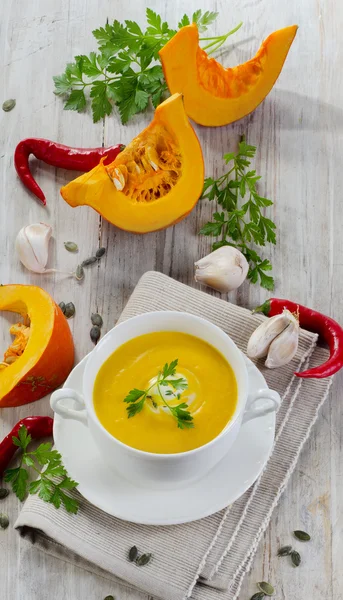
{"x": 38, "y": 39}
{"x": 298, "y": 131}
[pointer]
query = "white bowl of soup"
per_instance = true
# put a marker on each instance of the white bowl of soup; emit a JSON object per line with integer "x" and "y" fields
{"x": 164, "y": 396}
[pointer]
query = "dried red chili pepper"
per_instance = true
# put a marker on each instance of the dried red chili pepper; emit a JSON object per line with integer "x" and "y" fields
{"x": 57, "y": 155}
{"x": 37, "y": 427}
{"x": 314, "y": 321}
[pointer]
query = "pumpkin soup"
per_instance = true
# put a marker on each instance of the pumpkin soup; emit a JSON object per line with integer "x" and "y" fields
{"x": 180, "y": 391}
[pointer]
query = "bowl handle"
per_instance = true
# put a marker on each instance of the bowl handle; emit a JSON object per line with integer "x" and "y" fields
{"x": 78, "y": 413}
{"x": 272, "y": 404}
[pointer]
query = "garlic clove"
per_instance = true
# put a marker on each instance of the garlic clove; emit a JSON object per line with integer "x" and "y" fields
{"x": 32, "y": 246}
{"x": 224, "y": 270}
{"x": 39, "y": 236}
{"x": 265, "y": 333}
{"x": 283, "y": 348}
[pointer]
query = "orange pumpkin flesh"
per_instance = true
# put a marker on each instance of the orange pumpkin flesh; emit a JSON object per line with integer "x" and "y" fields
{"x": 214, "y": 95}
{"x": 154, "y": 182}
{"x": 48, "y": 355}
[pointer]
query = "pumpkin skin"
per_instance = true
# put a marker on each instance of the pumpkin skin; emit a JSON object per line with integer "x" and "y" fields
{"x": 154, "y": 182}
{"x": 49, "y": 355}
{"x": 214, "y": 95}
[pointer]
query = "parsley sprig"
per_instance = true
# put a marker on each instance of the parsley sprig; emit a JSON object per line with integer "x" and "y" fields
{"x": 45, "y": 486}
{"x": 136, "y": 398}
{"x": 124, "y": 71}
{"x": 242, "y": 221}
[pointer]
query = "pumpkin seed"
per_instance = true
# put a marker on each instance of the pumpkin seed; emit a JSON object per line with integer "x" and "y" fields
{"x": 302, "y": 535}
{"x": 258, "y": 596}
{"x": 95, "y": 334}
{"x": 296, "y": 558}
{"x": 62, "y": 307}
{"x": 266, "y": 588}
{"x": 3, "y": 493}
{"x": 89, "y": 261}
{"x": 71, "y": 246}
{"x": 284, "y": 551}
{"x": 99, "y": 253}
{"x": 97, "y": 319}
{"x": 133, "y": 553}
{"x": 4, "y": 521}
{"x": 79, "y": 273}
{"x": 69, "y": 310}
{"x": 109, "y": 598}
{"x": 143, "y": 560}
{"x": 8, "y": 105}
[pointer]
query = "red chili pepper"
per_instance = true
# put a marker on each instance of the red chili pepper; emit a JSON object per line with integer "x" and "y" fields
{"x": 57, "y": 155}
{"x": 37, "y": 427}
{"x": 314, "y": 321}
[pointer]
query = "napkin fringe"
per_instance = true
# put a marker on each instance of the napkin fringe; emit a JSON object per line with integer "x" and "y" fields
{"x": 303, "y": 360}
{"x": 251, "y": 555}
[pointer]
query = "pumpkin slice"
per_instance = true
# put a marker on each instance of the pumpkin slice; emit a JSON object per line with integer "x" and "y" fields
{"x": 42, "y": 354}
{"x": 214, "y": 95}
{"x": 155, "y": 182}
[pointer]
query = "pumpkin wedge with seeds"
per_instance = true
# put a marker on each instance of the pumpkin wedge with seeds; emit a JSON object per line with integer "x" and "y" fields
{"x": 152, "y": 184}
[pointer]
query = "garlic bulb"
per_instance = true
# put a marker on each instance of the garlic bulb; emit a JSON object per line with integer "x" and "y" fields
{"x": 32, "y": 246}
{"x": 224, "y": 269}
{"x": 265, "y": 333}
{"x": 284, "y": 347}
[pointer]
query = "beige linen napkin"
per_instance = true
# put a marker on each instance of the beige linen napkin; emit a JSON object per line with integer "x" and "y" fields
{"x": 206, "y": 559}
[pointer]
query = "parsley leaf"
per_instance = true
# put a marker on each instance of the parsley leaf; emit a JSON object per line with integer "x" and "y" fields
{"x": 44, "y": 454}
{"x": 18, "y": 478}
{"x": 156, "y": 27}
{"x": 141, "y": 99}
{"x": 178, "y": 384}
{"x": 127, "y": 104}
{"x": 46, "y": 486}
{"x": 134, "y": 395}
{"x": 136, "y": 407}
{"x": 123, "y": 71}
{"x": 212, "y": 228}
{"x": 184, "y": 21}
{"x": 70, "y": 504}
{"x": 242, "y": 221}
{"x": 100, "y": 103}
{"x": 45, "y": 490}
{"x": 136, "y": 398}
{"x": 23, "y": 439}
{"x": 62, "y": 84}
{"x": 89, "y": 64}
{"x": 76, "y": 101}
{"x": 68, "y": 484}
{"x": 266, "y": 281}
{"x": 203, "y": 20}
{"x": 183, "y": 416}
{"x": 28, "y": 460}
{"x": 169, "y": 369}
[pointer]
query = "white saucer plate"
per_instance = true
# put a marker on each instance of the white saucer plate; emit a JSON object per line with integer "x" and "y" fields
{"x": 107, "y": 490}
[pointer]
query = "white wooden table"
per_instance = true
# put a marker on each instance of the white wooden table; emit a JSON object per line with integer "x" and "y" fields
{"x": 299, "y": 134}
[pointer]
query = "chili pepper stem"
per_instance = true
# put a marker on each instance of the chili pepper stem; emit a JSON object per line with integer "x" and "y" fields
{"x": 263, "y": 308}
